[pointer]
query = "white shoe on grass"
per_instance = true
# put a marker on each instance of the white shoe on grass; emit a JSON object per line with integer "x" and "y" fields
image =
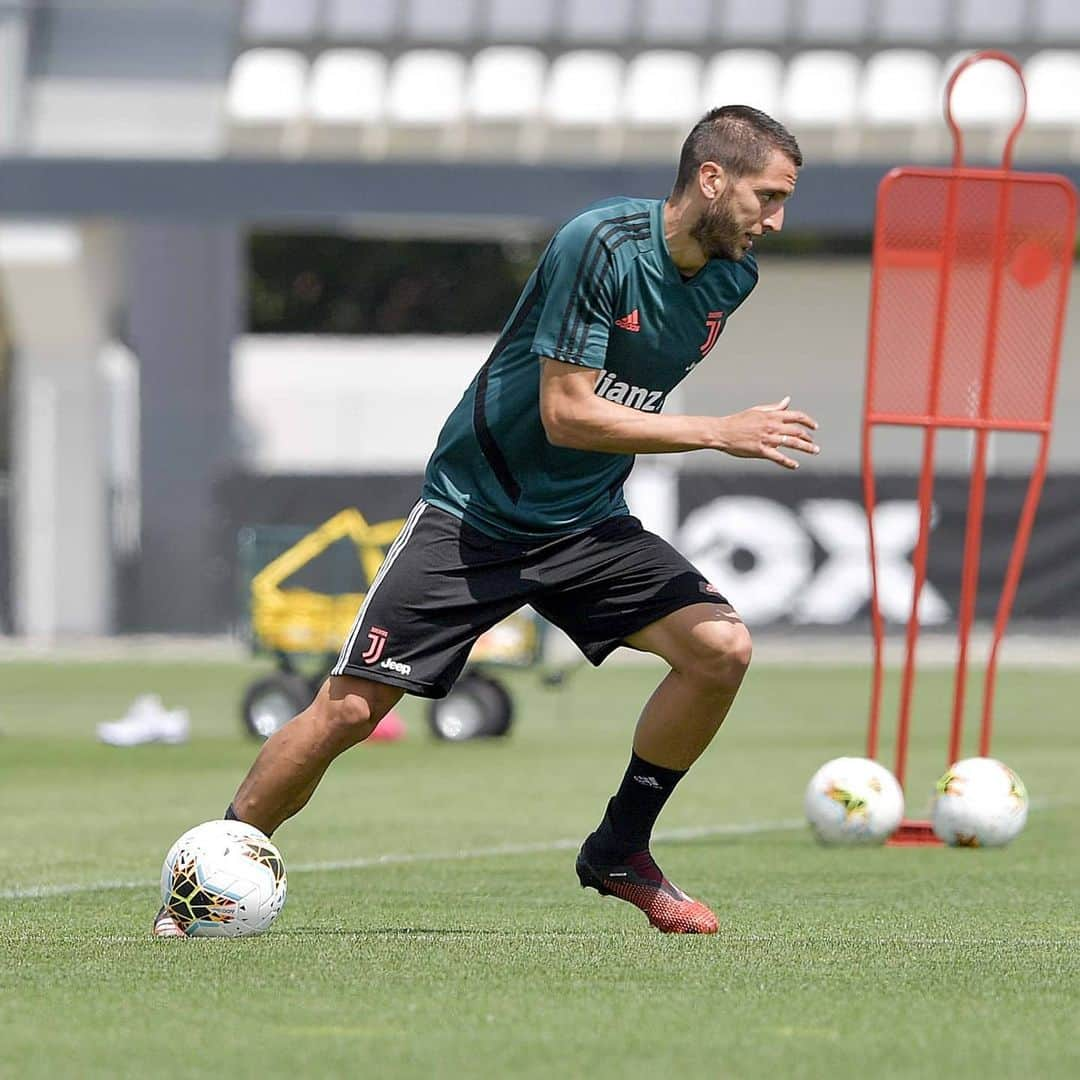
{"x": 146, "y": 721}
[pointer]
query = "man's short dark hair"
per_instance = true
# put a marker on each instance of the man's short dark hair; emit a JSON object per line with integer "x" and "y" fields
{"x": 739, "y": 138}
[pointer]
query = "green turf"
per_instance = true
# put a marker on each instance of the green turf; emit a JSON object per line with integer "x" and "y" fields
{"x": 888, "y": 962}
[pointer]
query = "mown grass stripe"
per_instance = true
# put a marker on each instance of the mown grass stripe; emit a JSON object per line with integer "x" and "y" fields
{"x": 31, "y": 892}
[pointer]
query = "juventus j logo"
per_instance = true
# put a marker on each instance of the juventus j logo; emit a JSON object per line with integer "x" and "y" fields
{"x": 714, "y": 324}
{"x": 376, "y": 643}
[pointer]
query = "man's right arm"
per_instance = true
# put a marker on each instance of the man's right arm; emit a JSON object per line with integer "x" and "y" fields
{"x": 574, "y": 416}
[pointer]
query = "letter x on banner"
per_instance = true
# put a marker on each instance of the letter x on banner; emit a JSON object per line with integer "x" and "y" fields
{"x": 971, "y": 272}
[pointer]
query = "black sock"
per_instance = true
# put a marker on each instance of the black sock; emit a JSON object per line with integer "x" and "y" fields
{"x": 231, "y": 815}
{"x": 634, "y": 808}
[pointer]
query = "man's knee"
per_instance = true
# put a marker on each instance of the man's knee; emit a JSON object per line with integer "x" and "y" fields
{"x": 720, "y": 656}
{"x": 351, "y": 708}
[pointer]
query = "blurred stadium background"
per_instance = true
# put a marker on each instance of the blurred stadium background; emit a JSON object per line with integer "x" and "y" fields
{"x": 251, "y": 252}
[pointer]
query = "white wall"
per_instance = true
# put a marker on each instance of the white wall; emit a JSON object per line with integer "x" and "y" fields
{"x": 60, "y": 538}
{"x": 317, "y": 404}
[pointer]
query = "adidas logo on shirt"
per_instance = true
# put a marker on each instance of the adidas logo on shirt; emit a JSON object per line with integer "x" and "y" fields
{"x": 631, "y": 322}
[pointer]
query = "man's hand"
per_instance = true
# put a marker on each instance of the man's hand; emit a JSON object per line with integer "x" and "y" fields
{"x": 766, "y": 431}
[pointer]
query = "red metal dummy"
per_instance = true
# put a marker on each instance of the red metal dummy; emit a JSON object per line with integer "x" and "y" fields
{"x": 971, "y": 270}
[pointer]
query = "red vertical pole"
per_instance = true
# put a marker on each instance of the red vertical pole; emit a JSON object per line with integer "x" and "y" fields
{"x": 977, "y": 495}
{"x": 911, "y": 638}
{"x": 1008, "y": 590}
{"x": 869, "y": 501}
{"x": 926, "y": 478}
{"x": 876, "y": 621}
{"x": 1031, "y": 503}
{"x": 968, "y": 590}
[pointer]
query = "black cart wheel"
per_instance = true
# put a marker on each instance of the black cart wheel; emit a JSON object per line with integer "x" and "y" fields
{"x": 478, "y": 707}
{"x": 271, "y": 702}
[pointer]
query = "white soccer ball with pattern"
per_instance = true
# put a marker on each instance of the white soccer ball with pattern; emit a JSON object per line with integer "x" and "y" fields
{"x": 852, "y": 800}
{"x": 223, "y": 879}
{"x": 980, "y": 803}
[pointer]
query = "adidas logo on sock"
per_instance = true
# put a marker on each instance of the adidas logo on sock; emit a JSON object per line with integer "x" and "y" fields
{"x": 649, "y": 781}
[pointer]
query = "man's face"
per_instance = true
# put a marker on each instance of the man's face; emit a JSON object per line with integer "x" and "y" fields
{"x": 745, "y": 208}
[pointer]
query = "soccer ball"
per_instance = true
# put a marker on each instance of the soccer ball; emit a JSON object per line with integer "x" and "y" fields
{"x": 980, "y": 803}
{"x": 852, "y": 800}
{"x": 223, "y": 879}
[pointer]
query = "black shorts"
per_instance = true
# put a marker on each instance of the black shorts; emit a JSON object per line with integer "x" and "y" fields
{"x": 443, "y": 584}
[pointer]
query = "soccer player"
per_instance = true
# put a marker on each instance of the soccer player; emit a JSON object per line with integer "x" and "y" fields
{"x": 523, "y": 503}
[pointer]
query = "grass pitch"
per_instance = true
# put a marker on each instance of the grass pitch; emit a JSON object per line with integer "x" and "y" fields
{"x": 435, "y": 927}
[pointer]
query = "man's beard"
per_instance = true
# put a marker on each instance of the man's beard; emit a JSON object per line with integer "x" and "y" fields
{"x": 718, "y": 232}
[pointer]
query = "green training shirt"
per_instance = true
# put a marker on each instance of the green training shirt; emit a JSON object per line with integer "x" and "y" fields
{"x": 605, "y": 295}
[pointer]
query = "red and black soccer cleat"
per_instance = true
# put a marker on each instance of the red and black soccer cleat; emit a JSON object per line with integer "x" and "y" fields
{"x": 641, "y": 882}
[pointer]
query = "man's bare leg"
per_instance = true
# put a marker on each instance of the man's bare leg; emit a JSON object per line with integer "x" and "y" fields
{"x": 292, "y": 761}
{"x": 708, "y": 649}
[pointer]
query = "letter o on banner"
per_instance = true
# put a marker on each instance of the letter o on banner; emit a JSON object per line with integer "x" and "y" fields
{"x": 783, "y": 554}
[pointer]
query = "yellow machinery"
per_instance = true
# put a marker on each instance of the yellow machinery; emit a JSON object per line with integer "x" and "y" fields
{"x": 293, "y": 619}
{"x": 298, "y": 611}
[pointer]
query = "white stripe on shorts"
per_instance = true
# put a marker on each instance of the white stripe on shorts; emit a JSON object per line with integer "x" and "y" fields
{"x": 392, "y": 553}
